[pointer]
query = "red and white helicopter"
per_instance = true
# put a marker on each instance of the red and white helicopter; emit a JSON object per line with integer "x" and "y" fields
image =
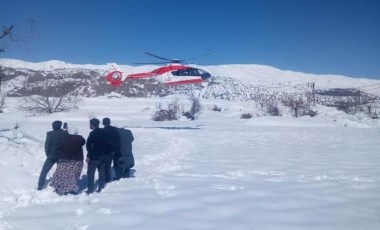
{"x": 175, "y": 73}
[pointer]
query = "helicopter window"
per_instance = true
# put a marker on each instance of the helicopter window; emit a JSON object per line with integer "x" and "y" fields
{"x": 201, "y": 72}
{"x": 193, "y": 72}
{"x": 184, "y": 72}
{"x": 175, "y": 73}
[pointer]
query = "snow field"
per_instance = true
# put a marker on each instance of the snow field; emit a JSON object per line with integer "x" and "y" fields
{"x": 217, "y": 172}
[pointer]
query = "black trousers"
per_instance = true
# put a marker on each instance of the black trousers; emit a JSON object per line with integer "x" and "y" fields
{"x": 108, "y": 166}
{"x": 122, "y": 170}
{"x": 92, "y": 166}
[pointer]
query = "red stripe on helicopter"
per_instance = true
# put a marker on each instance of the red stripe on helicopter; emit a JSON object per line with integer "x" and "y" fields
{"x": 141, "y": 75}
{"x": 192, "y": 81}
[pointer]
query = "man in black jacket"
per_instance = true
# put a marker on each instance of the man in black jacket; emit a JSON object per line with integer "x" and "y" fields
{"x": 97, "y": 149}
{"x": 113, "y": 141}
{"x": 53, "y": 150}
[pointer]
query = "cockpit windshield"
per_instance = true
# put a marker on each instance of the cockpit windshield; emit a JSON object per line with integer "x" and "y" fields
{"x": 191, "y": 72}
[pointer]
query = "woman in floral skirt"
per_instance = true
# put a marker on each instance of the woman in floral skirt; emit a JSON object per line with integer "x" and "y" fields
{"x": 70, "y": 165}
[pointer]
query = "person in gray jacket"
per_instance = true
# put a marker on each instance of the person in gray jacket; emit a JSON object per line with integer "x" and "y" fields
{"x": 125, "y": 160}
{"x": 53, "y": 150}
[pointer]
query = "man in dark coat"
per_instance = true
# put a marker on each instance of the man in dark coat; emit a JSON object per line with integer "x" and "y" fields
{"x": 97, "y": 150}
{"x": 113, "y": 140}
{"x": 53, "y": 150}
{"x": 125, "y": 160}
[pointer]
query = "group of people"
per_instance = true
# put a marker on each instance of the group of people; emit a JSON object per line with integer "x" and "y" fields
{"x": 105, "y": 147}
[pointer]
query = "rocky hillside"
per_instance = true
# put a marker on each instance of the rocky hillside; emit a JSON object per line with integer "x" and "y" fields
{"x": 229, "y": 82}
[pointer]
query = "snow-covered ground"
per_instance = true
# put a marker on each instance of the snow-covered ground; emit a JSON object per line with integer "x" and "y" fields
{"x": 217, "y": 172}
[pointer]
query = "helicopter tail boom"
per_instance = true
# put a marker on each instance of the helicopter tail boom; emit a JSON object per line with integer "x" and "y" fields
{"x": 116, "y": 77}
{"x": 141, "y": 75}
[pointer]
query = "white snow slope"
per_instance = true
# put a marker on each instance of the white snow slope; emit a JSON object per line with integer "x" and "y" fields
{"x": 217, "y": 172}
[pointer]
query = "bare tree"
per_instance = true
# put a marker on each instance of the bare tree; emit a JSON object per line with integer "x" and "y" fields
{"x": 195, "y": 107}
{"x": 19, "y": 32}
{"x": 297, "y": 104}
{"x": 52, "y": 97}
{"x": 370, "y": 110}
{"x": 5, "y": 33}
{"x": 167, "y": 114}
{"x": 354, "y": 104}
{"x": 269, "y": 105}
{"x": 6, "y": 36}
{"x": 3, "y": 96}
{"x": 1, "y": 76}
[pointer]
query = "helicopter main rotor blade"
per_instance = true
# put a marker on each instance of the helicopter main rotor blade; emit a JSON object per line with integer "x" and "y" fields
{"x": 162, "y": 58}
{"x": 194, "y": 57}
{"x": 151, "y": 63}
{"x": 174, "y": 60}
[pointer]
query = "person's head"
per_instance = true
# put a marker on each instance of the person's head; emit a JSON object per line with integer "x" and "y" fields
{"x": 94, "y": 123}
{"x": 56, "y": 125}
{"x": 106, "y": 121}
{"x": 72, "y": 130}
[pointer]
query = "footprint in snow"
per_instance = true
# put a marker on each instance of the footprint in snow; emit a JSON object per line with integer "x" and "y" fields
{"x": 107, "y": 211}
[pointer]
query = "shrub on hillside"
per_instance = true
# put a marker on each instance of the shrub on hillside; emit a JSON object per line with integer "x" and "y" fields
{"x": 274, "y": 111}
{"x": 167, "y": 114}
{"x": 194, "y": 109}
{"x": 216, "y": 108}
{"x": 299, "y": 105}
{"x": 3, "y": 96}
{"x": 269, "y": 105}
{"x": 246, "y": 116}
{"x": 312, "y": 113}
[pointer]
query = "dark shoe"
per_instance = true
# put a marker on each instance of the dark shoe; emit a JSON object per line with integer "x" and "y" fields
{"x": 127, "y": 173}
{"x": 71, "y": 193}
{"x": 39, "y": 188}
{"x": 89, "y": 192}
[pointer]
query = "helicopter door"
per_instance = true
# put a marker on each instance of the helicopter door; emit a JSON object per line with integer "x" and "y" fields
{"x": 168, "y": 76}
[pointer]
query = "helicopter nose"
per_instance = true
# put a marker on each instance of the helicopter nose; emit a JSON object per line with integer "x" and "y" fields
{"x": 205, "y": 76}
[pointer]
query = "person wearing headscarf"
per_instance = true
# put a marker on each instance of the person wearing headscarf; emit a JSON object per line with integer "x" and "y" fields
{"x": 70, "y": 164}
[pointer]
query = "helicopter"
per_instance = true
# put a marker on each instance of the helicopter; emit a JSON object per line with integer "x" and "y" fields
{"x": 175, "y": 73}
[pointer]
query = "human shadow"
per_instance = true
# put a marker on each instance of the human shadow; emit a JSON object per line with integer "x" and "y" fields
{"x": 82, "y": 183}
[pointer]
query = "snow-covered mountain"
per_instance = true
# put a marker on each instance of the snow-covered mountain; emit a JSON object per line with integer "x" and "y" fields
{"x": 229, "y": 82}
{"x": 253, "y": 75}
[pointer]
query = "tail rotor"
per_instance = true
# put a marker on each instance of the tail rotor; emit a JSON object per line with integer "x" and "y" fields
{"x": 115, "y": 76}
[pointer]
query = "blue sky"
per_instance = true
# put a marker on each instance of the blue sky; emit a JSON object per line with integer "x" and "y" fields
{"x": 313, "y": 36}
